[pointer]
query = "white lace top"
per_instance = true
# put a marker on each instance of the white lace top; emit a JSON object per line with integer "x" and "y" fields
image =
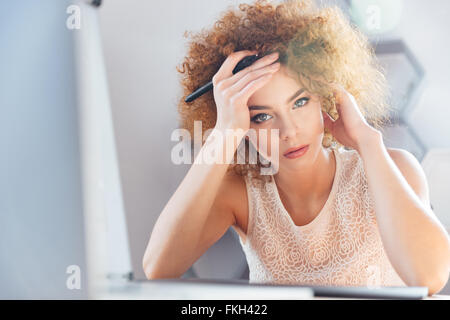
{"x": 341, "y": 246}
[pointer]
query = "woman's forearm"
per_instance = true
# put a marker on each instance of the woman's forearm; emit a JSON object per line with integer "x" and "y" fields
{"x": 178, "y": 228}
{"x": 415, "y": 242}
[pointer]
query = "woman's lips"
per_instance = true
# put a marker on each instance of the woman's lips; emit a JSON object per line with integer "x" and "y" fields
{"x": 296, "y": 152}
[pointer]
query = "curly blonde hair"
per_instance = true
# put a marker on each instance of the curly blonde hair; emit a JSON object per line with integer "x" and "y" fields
{"x": 319, "y": 45}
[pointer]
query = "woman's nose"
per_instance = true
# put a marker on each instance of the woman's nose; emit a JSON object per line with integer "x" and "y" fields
{"x": 288, "y": 129}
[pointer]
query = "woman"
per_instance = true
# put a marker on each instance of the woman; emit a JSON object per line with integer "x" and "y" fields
{"x": 341, "y": 210}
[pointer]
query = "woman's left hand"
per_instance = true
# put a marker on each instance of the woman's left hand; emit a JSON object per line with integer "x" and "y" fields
{"x": 351, "y": 128}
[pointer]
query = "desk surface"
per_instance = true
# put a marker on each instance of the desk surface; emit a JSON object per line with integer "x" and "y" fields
{"x": 157, "y": 290}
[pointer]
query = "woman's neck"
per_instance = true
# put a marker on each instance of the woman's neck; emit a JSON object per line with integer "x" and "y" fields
{"x": 310, "y": 184}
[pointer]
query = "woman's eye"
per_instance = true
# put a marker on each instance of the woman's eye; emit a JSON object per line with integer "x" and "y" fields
{"x": 303, "y": 101}
{"x": 261, "y": 117}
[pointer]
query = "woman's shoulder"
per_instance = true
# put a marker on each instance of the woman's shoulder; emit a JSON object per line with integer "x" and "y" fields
{"x": 347, "y": 153}
{"x": 412, "y": 171}
{"x": 349, "y": 158}
{"x": 399, "y": 156}
{"x": 351, "y": 169}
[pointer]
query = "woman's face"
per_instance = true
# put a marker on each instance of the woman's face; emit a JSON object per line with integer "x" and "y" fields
{"x": 296, "y": 114}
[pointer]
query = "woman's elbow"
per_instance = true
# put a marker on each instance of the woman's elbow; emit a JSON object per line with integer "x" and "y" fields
{"x": 152, "y": 272}
{"x": 435, "y": 282}
{"x": 437, "y": 274}
{"x": 148, "y": 269}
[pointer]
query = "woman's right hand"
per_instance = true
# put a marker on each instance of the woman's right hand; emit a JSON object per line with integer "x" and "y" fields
{"x": 232, "y": 91}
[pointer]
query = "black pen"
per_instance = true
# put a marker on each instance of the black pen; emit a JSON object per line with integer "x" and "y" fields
{"x": 245, "y": 62}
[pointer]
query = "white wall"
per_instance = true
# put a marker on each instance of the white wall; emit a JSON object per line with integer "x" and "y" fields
{"x": 424, "y": 27}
